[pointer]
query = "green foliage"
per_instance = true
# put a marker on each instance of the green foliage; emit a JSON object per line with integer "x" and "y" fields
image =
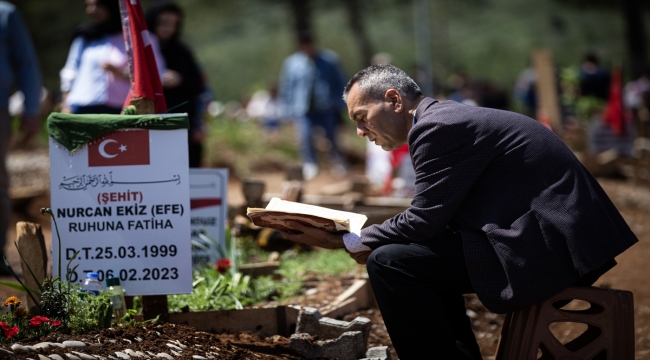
{"x": 244, "y": 145}
{"x": 215, "y": 291}
{"x": 62, "y": 306}
{"x": 89, "y": 312}
{"x": 321, "y": 262}
{"x": 241, "y": 44}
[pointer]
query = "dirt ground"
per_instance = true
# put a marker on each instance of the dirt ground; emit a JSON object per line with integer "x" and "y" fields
{"x": 631, "y": 274}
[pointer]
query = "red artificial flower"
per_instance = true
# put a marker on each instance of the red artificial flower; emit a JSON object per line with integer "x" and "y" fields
{"x": 38, "y": 320}
{"x": 56, "y": 323}
{"x": 223, "y": 265}
{"x": 8, "y": 331}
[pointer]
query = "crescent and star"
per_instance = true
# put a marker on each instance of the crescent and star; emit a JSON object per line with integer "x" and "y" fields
{"x": 102, "y": 150}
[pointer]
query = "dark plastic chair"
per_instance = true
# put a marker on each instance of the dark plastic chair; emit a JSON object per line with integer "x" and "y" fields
{"x": 609, "y": 334}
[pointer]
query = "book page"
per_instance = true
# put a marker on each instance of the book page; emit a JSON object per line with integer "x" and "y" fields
{"x": 356, "y": 221}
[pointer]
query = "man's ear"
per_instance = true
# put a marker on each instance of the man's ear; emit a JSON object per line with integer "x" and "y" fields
{"x": 395, "y": 98}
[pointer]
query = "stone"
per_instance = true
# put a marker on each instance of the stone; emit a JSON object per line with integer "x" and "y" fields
{"x": 55, "y": 357}
{"x": 175, "y": 353}
{"x": 179, "y": 344}
{"x": 141, "y": 354}
{"x": 57, "y": 345}
{"x": 17, "y": 348}
{"x": 349, "y": 346}
{"x": 74, "y": 344}
{"x": 42, "y": 346}
{"x": 378, "y": 353}
{"x": 199, "y": 357}
{"x": 174, "y": 347}
{"x": 72, "y": 357}
{"x": 43, "y": 357}
{"x": 122, "y": 355}
{"x": 5, "y": 352}
{"x": 471, "y": 314}
{"x": 127, "y": 341}
{"x": 311, "y": 321}
{"x": 138, "y": 339}
{"x": 165, "y": 356}
{"x": 84, "y": 356}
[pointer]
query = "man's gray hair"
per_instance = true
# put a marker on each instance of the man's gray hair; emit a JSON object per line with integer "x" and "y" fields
{"x": 375, "y": 80}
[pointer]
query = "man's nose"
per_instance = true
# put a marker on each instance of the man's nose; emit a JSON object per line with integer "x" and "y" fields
{"x": 361, "y": 130}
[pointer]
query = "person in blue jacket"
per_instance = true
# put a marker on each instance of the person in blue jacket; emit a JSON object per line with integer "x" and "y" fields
{"x": 309, "y": 92}
{"x": 19, "y": 67}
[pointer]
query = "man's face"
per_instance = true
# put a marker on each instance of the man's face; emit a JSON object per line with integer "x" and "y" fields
{"x": 382, "y": 122}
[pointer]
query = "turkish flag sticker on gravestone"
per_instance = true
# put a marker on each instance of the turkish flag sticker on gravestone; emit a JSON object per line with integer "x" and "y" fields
{"x": 127, "y": 147}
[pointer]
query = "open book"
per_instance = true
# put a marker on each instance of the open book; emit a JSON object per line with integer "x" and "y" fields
{"x": 278, "y": 211}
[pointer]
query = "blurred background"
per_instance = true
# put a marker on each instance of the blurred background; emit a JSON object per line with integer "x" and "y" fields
{"x": 473, "y": 51}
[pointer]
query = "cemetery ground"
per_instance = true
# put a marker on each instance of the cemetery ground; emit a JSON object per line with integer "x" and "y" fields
{"x": 632, "y": 273}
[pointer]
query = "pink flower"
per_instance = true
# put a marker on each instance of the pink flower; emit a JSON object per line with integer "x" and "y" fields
{"x": 38, "y": 320}
{"x": 56, "y": 323}
{"x": 223, "y": 265}
{"x": 8, "y": 331}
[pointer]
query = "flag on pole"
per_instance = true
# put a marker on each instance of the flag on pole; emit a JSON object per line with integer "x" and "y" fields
{"x": 145, "y": 80}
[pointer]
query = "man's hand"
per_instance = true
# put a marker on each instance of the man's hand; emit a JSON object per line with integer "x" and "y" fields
{"x": 360, "y": 257}
{"x": 312, "y": 236}
{"x": 171, "y": 79}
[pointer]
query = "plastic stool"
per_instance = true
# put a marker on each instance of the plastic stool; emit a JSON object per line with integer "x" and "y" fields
{"x": 609, "y": 334}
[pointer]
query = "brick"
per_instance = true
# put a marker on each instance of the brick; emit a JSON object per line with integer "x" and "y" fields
{"x": 311, "y": 321}
{"x": 349, "y": 346}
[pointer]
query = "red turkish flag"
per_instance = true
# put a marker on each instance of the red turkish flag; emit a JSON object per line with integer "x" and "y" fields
{"x": 125, "y": 147}
{"x": 145, "y": 77}
{"x": 613, "y": 113}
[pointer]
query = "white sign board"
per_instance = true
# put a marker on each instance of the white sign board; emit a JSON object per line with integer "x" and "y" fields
{"x": 208, "y": 201}
{"x": 123, "y": 202}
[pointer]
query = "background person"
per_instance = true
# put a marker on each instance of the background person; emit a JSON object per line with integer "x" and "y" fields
{"x": 182, "y": 81}
{"x": 310, "y": 84}
{"x": 18, "y": 66}
{"x": 502, "y": 208}
{"x": 95, "y": 77}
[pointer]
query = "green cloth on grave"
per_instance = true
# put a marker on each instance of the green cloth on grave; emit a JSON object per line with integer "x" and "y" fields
{"x": 74, "y": 131}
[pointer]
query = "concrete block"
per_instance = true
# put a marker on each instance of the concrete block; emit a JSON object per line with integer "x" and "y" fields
{"x": 349, "y": 346}
{"x": 310, "y": 321}
{"x": 377, "y": 353}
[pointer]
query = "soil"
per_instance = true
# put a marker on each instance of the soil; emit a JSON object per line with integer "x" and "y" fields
{"x": 633, "y": 201}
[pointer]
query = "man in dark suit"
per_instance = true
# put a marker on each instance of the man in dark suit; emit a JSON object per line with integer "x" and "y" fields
{"x": 502, "y": 208}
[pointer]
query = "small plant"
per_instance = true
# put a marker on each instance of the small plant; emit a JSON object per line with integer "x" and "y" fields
{"x": 62, "y": 307}
{"x": 15, "y": 325}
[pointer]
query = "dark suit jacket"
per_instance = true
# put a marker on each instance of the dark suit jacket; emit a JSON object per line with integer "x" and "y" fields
{"x": 532, "y": 219}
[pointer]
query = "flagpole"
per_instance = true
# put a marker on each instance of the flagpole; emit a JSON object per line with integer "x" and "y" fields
{"x": 152, "y": 305}
{"x": 128, "y": 42}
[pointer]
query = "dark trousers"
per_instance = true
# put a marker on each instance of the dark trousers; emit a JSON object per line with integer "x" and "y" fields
{"x": 419, "y": 291}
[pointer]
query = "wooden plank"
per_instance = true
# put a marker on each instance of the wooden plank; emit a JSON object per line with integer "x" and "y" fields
{"x": 155, "y": 305}
{"x": 546, "y": 87}
{"x": 33, "y": 253}
{"x": 359, "y": 290}
{"x": 346, "y": 307}
{"x": 267, "y": 321}
{"x": 259, "y": 269}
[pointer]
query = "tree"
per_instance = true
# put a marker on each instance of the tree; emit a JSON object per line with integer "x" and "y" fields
{"x": 635, "y": 33}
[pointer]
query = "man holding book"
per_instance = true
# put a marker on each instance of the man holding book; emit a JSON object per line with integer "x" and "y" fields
{"x": 502, "y": 209}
